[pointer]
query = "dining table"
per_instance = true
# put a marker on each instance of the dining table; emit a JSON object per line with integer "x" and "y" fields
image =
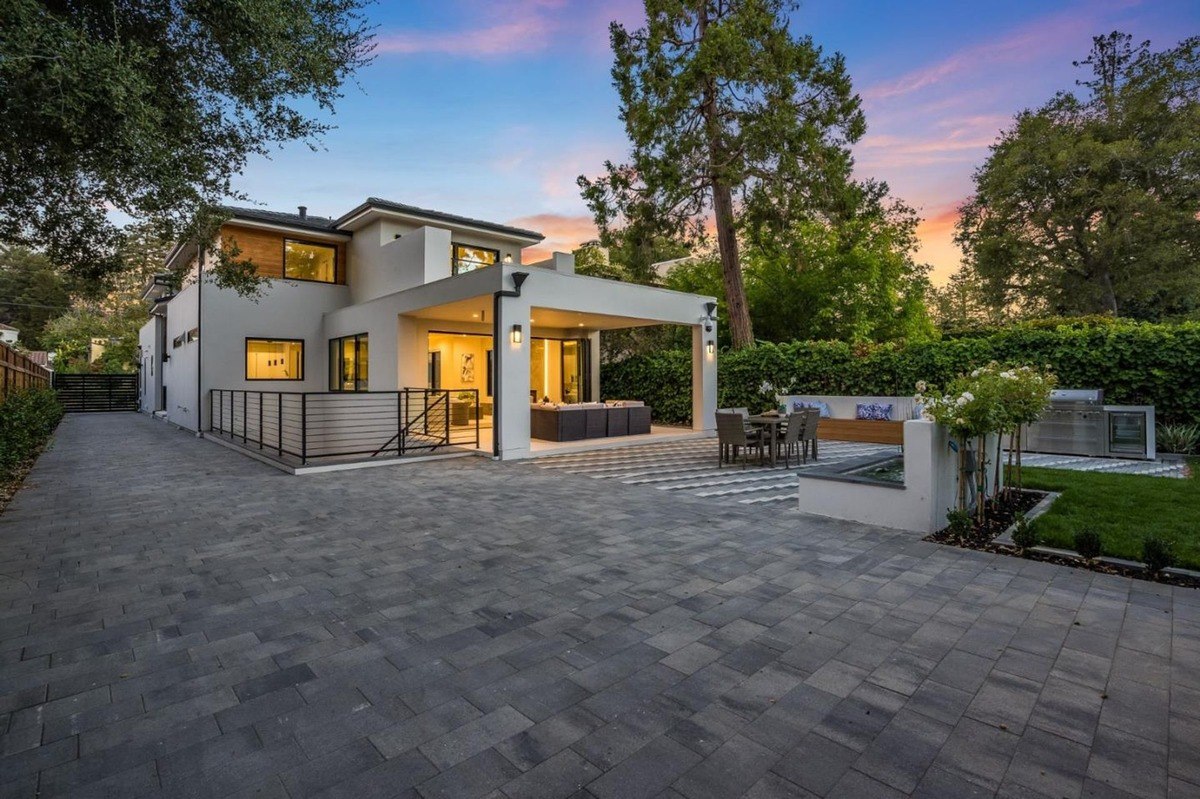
{"x": 772, "y": 421}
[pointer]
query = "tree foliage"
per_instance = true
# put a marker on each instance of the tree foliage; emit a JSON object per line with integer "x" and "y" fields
{"x": 150, "y": 109}
{"x": 32, "y": 292}
{"x": 111, "y": 310}
{"x": 853, "y": 281}
{"x": 1089, "y": 204}
{"x": 725, "y": 110}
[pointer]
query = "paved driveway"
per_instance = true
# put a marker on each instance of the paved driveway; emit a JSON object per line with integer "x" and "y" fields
{"x": 180, "y": 620}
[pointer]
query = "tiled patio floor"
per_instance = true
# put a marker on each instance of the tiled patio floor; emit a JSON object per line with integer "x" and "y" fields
{"x": 691, "y": 467}
{"x": 178, "y": 620}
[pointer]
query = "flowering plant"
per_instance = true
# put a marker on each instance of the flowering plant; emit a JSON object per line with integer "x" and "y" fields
{"x": 991, "y": 399}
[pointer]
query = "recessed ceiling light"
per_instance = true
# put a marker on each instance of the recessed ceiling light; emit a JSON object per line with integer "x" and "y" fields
{"x": 581, "y": 324}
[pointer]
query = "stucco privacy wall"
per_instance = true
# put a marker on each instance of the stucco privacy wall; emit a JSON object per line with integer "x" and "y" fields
{"x": 930, "y": 486}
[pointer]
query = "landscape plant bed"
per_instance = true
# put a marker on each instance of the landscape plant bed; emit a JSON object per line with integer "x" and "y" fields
{"x": 1002, "y": 514}
{"x": 12, "y": 479}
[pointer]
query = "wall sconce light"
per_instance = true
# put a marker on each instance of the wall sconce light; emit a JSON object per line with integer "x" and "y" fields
{"x": 516, "y": 334}
{"x": 508, "y": 257}
{"x": 710, "y": 347}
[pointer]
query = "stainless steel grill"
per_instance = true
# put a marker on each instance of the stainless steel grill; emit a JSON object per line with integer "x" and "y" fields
{"x": 1079, "y": 423}
{"x": 1074, "y": 424}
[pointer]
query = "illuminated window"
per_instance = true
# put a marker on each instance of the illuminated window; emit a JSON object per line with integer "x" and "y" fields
{"x": 466, "y": 258}
{"x": 348, "y": 363}
{"x": 274, "y": 359}
{"x": 305, "y": 261}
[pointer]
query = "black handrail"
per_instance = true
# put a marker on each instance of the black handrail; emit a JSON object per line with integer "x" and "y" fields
{"x": 313, "y": 425}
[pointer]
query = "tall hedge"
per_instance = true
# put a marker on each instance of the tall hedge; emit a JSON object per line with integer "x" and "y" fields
{"x": 1135, "y": 364}
{"x": 27, "y": 418}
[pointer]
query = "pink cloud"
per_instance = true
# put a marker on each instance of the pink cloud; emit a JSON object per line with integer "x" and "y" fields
{"x": 563, "y": 232}
{"x": 519, "y": 27}
{"x": 1043, "y": 37}
{"x": 935, "y": 234}
{"x": 525, "y": 26}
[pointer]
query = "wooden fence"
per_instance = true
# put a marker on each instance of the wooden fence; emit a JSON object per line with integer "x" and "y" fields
{"x": 17, "y": 371}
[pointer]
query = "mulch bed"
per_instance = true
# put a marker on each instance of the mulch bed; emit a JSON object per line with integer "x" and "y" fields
{"x": 1002, "y": 513}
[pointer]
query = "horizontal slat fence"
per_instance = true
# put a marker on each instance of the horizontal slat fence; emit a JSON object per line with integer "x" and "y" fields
{"x": 18, "y": 371}
{"x": 86, "y": 393}
{"x": 313, "y": 425}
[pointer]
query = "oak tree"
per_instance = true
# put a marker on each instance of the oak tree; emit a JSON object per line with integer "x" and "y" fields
{"x": 150, "y": 109}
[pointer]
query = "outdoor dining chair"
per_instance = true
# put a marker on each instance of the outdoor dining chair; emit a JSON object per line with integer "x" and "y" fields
{"x": 732, "y": 435}
{"x": 809, "y": 436}
{"x": 793, "y": 437}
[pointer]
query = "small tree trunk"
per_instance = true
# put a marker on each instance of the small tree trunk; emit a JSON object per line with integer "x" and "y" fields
{"x": 999, "y": 464}
{"x": 981, "y": 479}
{"x": 962, "y": 474}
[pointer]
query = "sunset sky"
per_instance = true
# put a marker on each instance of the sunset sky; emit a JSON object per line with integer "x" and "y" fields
{"x": 491, "y": 108}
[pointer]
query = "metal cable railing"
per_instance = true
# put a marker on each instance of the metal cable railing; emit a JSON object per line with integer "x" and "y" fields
{"x": 311, "y": 425}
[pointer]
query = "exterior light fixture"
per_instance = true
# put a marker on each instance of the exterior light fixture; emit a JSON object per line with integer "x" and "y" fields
{"x": 508, "y": 257}
{"x": 710, "y": 347}
{"x": 516, "y": 334}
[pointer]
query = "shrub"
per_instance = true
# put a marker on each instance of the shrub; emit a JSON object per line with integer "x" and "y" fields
{"x": 1135, "y": 363}
{"x": 1181, "y": 439}
{"x": 1024, "y": 536}
{"x": 1087, "y": 543}
{"x": 1158, "y": 553}
{"x": 27, "y": 418}
{"x": 959, "y": 522}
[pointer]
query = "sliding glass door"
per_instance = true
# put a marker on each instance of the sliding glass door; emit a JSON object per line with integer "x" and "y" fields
{"x": 559, "y": 370}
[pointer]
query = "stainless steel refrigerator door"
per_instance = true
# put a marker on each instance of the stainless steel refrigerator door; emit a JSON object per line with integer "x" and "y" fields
{"x": 1127, "y": 433}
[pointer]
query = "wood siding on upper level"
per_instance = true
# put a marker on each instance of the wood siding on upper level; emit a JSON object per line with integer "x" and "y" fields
{"x": 265, "y": 249}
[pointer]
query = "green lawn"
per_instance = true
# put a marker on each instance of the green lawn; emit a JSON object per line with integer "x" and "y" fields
{"x": 1123, "y": 509}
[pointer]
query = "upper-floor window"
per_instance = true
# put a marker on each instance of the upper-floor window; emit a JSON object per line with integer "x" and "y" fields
{"x": 466, "y": 258}
{"x": 303, "y": 260}
{"x": 274, "y": 359}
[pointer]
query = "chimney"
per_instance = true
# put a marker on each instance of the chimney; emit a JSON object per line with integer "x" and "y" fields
{"x": 303, "y": 211}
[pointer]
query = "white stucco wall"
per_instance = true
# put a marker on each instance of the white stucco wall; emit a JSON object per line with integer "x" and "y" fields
{"x": 930, "y": 487}
{"x": 179, "y": 372}
{"x": 150, "y": 383}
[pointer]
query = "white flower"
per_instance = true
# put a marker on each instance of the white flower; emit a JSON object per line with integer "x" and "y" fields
{"x": 976, "y": 373}
{"x": 921, "y": 387}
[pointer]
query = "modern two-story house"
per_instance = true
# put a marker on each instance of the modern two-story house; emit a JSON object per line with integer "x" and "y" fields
{"x": 387, "y": 310}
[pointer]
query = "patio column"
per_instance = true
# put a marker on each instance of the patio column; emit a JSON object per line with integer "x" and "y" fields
{"x": 594, "y": 366}
{"x": 704, "y": 378}
{"x": 512, "y": 379}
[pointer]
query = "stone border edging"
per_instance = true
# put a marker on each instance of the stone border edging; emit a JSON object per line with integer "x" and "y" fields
{"x": 1043, "y": 505}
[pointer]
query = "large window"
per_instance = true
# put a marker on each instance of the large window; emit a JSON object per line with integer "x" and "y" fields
{"x": 348, "y": 363}
{"x": 466, "y": 258}
{"x": 274, "y": 359}
{"x": 304, "y": 260}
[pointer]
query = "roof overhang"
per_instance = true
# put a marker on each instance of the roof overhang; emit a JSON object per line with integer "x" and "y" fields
{"x": 281, "y": 227}
{"x": 369, "y": 211}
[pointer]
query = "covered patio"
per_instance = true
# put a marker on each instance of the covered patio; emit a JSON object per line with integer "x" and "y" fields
{"x": 510, "y": 341}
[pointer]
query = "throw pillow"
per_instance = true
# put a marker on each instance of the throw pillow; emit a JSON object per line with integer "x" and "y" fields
{"x": 873, "y": 411}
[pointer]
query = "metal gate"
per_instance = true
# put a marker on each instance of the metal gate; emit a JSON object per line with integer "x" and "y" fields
{"x": 87, "y": 392}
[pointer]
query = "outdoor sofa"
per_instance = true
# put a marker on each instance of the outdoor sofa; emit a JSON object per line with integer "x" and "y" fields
{"x": 582, "y": 420}
{"x": 842, "y": 416}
